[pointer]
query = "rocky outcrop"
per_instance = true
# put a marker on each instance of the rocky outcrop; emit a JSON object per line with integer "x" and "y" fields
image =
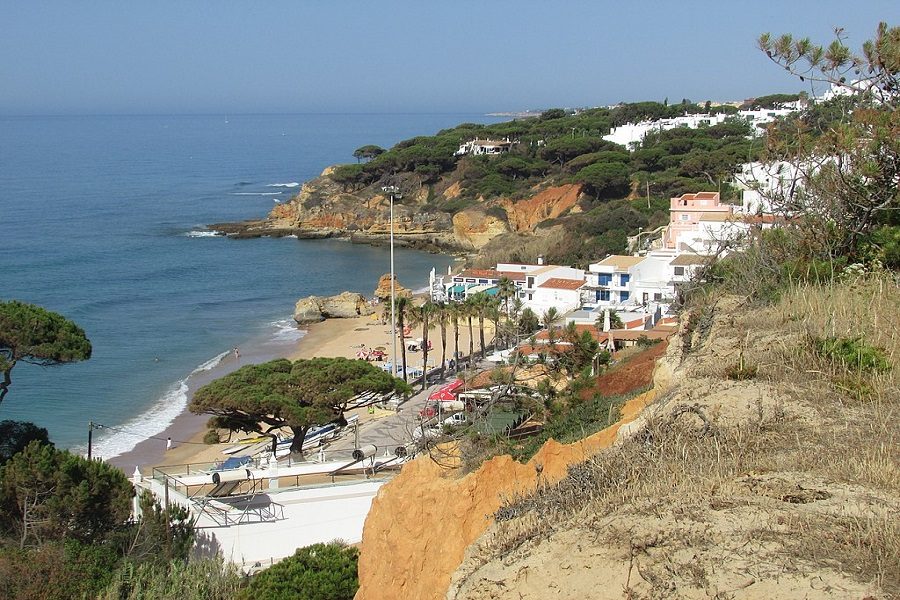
{"x": 473, "y": 228}
{"x": 553, "y": 202}
{"x": 345, "y": 305}
{"x": 383, "y": 290}
{"x": 324, "y": 209}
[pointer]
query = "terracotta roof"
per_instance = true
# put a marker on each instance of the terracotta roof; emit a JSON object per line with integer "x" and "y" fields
{"x": 480, "y": 273}
{"x": 636, "y": 322}
{"x": 558, "y": 283}
{"x": 620, "y": 262}
{"x": 512, "y": 275}
{"x": 686, "y": 260}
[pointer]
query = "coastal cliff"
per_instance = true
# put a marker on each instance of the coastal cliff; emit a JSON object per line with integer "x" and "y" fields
{"x": 324, "y": 209}
{"x": 741, "y": 474}
{"x": 427, "y": 517}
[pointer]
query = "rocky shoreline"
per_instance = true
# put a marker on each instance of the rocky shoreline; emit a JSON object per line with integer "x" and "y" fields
{"x": 422, "y": 219}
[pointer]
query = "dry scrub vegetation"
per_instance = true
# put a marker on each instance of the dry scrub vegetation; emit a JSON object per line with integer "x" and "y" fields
{"x": 781, "y": 483}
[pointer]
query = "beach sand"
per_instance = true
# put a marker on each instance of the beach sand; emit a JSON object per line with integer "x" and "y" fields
{"x": 329, "y": 338}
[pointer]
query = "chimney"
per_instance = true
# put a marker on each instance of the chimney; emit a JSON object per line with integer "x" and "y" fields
{"x": 540, "y": 260}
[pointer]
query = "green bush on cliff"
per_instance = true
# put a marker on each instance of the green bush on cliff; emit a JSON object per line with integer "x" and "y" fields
{"x": 317, "y": 572}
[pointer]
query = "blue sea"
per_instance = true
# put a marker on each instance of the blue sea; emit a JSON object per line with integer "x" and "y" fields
{"x": 102, "y": 219}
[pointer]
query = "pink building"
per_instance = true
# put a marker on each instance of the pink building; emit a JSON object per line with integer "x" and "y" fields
{"x": 686, "y": 212}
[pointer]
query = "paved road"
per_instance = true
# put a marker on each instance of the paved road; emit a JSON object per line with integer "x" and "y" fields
{"x": 390, "y": 431}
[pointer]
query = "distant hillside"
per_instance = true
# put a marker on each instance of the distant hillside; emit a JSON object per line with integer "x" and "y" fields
{"x": 557, "y": 189}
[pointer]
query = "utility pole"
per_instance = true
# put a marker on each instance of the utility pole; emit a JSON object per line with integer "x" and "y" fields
{"x": 90, "y": 438}
{"x": 648, "y": 193}
{"x": 393, "y": 191}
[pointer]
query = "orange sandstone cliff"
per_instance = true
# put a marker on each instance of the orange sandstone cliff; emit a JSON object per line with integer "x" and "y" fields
{"x": 421, "y": 523}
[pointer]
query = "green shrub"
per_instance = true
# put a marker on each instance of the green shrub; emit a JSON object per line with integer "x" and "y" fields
{"x": 741, "y": 370}
{"x": 211, "y": 437}
{"x": 207, "y": 579}
{"x": 852, "y": 353}
{"x": 317, "y": 572}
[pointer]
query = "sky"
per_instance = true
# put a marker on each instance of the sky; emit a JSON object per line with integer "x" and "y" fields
{"x": 333, "y": 56}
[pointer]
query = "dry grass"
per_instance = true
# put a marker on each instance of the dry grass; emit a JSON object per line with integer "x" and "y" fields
{"x": 811, "y": 487}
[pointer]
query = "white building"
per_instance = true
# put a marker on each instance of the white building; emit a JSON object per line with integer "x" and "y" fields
{"x": 489, "y": 147}
{"x": 538, "y": 286}
{"x": 650, "y": 281}
{"x": 610, "y": 280}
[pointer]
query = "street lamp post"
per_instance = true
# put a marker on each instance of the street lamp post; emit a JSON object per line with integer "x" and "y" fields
{"x": 393, "y": 191}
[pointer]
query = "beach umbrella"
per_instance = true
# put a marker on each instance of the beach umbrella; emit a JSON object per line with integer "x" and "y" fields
{"x": 442, "y": 395}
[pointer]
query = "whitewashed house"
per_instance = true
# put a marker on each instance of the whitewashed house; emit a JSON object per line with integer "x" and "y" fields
{"x": 538, "y": 286}
{"x": 484, "y": 147}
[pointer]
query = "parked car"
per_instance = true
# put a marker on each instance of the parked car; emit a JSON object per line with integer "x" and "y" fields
{"x": 459, "y": 418}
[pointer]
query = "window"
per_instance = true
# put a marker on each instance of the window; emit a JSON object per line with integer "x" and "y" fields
{"x": 530, "y": 283}
{"x": 470, "y": 281}
{"x": 657, "y": 297}
{"x": 685, "y": 217}
{"x": 482, "y": 281}
{"x": 623, "y": 296}
{"x": 603, "y": 295}
{"x": 624, "y": 279}
{"x": 679, "y": 270}
{"x": 604, "y": 279}
{"x": 530, "y": 296}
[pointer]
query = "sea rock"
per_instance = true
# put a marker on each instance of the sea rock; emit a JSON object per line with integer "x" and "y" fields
{"x": 383, "y": 291}
{"x": 344, "y": 305}
{"x": 308, "y": 310}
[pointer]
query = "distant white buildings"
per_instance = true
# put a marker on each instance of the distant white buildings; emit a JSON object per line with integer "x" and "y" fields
{"x": 630, "y": 134}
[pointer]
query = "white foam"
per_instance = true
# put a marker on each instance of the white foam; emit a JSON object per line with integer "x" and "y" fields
{"x": 291, "y": 184}
{"x": 286, "y": 330}
{"x": 197, "y": 233}
{"x": 153, "y": 421}
{"x": 211, "y": 363}
{"x": 110, "y": 443}
{"x": 255, "y": 193}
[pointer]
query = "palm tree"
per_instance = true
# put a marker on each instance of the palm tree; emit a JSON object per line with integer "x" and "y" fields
{"x": 402, "y": 306}
{"x": 492, "y": 311}
{"x": 480, "y": 302}
{"x": 506, "y": 289}
{"x": 468, "y": 311}
{"x": 442, "y": 314}
{"x": 422, "y": 315}
{"x": 455, "y": 311}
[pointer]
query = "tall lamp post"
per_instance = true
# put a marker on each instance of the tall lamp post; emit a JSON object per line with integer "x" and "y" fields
{"x": 393, "y": 191}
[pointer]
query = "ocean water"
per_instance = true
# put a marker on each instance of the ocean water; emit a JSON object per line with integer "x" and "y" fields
{"x": 102, "y": 219}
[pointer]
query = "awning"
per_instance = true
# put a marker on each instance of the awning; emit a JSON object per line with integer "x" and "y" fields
{"x": 457, "y": 289}
{"x": 492, "y": 291}
{"x": 447, "y": 393}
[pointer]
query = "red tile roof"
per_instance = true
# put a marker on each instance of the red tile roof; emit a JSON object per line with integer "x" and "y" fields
{"x": 558, "y": 283}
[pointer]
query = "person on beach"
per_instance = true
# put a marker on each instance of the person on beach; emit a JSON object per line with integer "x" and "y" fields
{"x": 237, "y": 353}
{"x": 168, "y": 443}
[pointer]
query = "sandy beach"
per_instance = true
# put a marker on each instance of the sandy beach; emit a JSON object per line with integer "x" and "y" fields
{"x": 329, "y": 338}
